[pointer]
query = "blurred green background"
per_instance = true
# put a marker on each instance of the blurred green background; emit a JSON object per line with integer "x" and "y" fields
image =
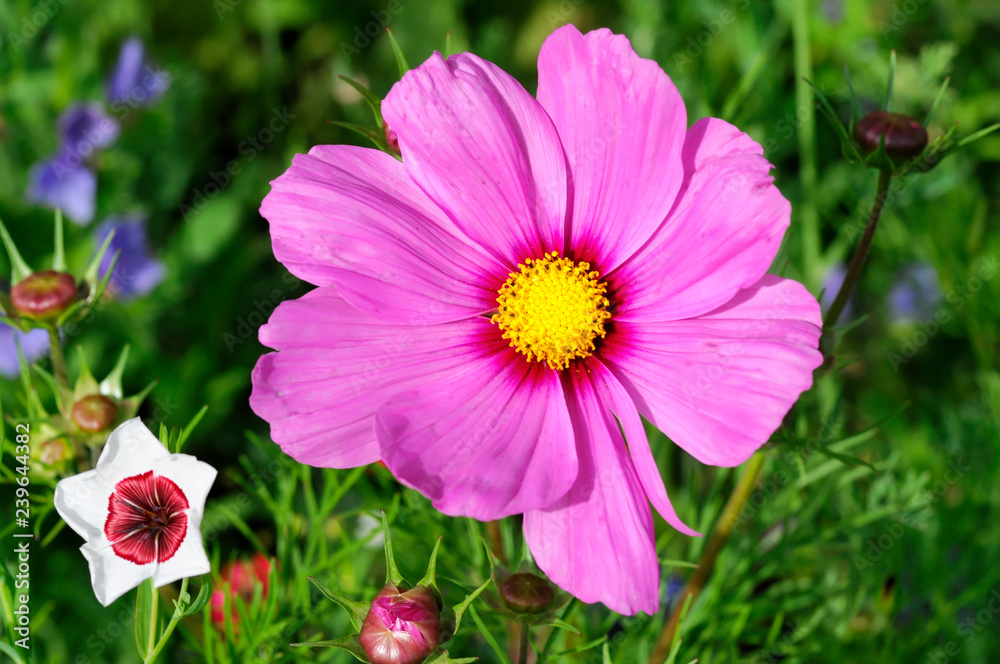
{"x": 873, "y": 535}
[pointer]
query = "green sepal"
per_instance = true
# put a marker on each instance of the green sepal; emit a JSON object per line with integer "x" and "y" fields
{"x": 391, "y": 571}
{"x": 111, "y": 386}
{"x": 90, "y": 274}
{"x": 460, "y": 608}
{"x": 429, "y": 577}
{"x": 85, "y": 384}
{"x": 447, "y": 45}
{"x": 357, "y": 611}
{"x": 398, "y": 53}
{"x": 130, "y": 406}
{"x": 59, "y": 255}
{"x": 376, "y": 136}
{"x": 19, "y": 269}
{"x": 349, "y": 643}
{"x": 374, "y": 101}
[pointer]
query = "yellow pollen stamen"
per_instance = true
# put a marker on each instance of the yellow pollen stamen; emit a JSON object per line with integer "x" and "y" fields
{"x": 552, "y": 310}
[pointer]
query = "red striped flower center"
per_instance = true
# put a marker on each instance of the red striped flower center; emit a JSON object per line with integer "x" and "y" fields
{"x": 147, "y": 520}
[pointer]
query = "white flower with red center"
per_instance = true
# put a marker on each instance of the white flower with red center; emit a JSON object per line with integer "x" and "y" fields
{"x": 140, "y": 511}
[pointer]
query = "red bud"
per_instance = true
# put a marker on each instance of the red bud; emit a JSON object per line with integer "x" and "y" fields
{"x": 44, "y": 295}
{"x": 401, "y": 627}
{"x": 526, "y": 593}
{"x": 905, "y": 138}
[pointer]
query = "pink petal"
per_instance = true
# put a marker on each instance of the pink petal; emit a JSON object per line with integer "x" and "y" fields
{"x": 597, "y": 542}
{"x": 720, "y": 384}
{"x": 351, "y": 216}
{"x": 617, "y": 399}
{"x": 483, "y": 148}
{"x": 492, "y": 440}
{"x": 721, "y": 236}
{"x": 337, "y": 366}
{"x": 622, "y": 124}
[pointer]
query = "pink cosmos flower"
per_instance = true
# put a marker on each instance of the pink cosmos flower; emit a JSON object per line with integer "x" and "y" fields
{"x": 497, "y": 308}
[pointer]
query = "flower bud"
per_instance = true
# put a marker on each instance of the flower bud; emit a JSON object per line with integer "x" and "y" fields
{"x": 401, "y": 627}
{"x": 44, "y": 295}
{"x": 391, "y": 139}
{"x": 526, "y": 593}
{"x": 905, "y": 138}
{"x": 94, "y": 413}
{"x": 239, "y": 578}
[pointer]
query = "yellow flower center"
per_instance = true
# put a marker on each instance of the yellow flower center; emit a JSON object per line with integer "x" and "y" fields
{"x": 552, "y": 310}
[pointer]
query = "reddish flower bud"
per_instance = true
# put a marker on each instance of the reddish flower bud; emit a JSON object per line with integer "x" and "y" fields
{"x": 401, "y": 627}
{"x": 238, "y": 578}
{"x": 905, "y": 138}
{"x": 94, "y": 413}
{"x": 526, "y": 593}
{"x": 44, "y": 295}
{"x": 391, "y": 138}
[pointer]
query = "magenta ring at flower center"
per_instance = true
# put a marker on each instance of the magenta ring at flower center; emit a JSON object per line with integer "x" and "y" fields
{"x": 146, "y": 520}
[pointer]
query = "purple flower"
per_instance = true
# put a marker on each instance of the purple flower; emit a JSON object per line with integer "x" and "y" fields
{"x": 915, "y": 294}
{"x": 34, "y": 345}
{"x": 135, "y": 80}
{"x": 137, "y": 271}
{"x": 84, "y": 128}
{"x": 63, "y": 181}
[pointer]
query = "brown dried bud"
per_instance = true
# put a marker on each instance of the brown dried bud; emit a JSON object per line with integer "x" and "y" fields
{"x": 94, "y": 413}
{"x": 526, "y": 593}
{"x": 905, "y": 138}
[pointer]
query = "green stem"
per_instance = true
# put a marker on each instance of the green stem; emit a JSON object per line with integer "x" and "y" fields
{"x": 174, "y": 619}
{"x": 860, "y": 253}
{"x": 807, "y": 213}
{"x": 58, "y": 360}
{"x": 522, "y": 651}
{"x": 723, "y": 529}
{"x": 153, "y": 625}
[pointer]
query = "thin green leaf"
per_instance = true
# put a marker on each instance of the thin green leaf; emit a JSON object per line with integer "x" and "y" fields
{"x": 201, "y": 600}
{"x": 887, "y": 106}
{"x": 467, "y": 602}
{"x": 186, "y": 432}
{"x": 937, "y": 100}
{"x": 19, "y": 269}
{"x": 373, "y": 100}
{"x": 143, "y": 612}
{"x": 401, "y": 63}
{"x": 488, "y": 636}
